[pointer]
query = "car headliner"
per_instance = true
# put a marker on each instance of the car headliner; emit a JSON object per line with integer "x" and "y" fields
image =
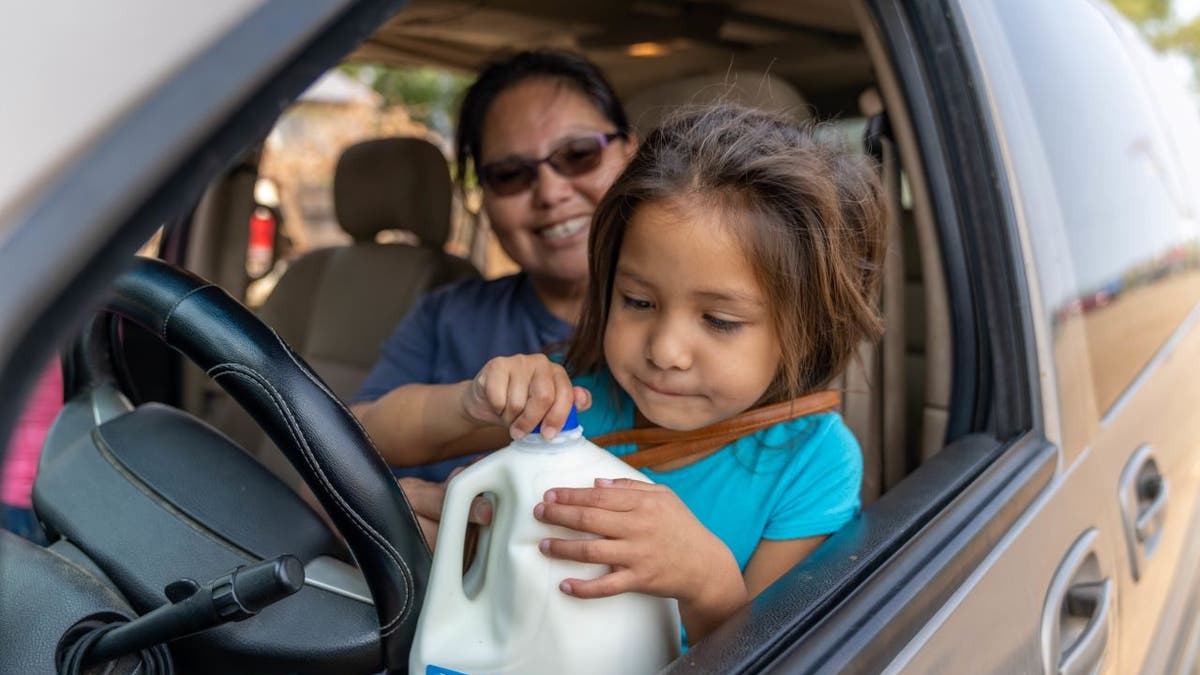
{"x": 814, "y": 45}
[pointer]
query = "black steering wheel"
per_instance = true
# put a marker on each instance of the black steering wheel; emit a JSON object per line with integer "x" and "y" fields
{"x": 315, "y": 431}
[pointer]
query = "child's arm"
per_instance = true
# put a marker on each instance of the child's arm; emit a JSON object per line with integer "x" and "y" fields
{"x": 773, "y": 557}
{"x": 655, "y": 545}
{"x": 423, "y": 423}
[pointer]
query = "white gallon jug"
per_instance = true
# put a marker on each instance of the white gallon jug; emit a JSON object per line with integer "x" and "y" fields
{"x": 507, "y": 614}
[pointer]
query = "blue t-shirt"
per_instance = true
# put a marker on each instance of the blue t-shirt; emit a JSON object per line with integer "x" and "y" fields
{"x": 799, "y": 478}
{"x": 453, "y": 332}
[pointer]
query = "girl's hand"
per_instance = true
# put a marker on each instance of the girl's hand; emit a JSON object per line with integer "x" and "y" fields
{"x": 426, "y": 499}
{"x": 521, "y": 391}
{"x": 654, "y": 545}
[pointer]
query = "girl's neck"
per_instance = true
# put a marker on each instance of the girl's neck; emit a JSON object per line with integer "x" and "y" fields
{"x": 562, "y": 299}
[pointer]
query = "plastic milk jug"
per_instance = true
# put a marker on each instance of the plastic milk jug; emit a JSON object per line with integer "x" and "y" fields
{"x": 506, "y": 614}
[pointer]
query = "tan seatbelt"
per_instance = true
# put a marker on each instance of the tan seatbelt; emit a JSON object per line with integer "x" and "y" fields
{"x": 658, "y": 446}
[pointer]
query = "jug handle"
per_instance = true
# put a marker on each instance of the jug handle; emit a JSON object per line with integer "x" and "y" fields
{"x": 446, "y": 576}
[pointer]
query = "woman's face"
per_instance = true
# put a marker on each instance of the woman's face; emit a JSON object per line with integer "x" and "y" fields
{"x": 544, "y": 229}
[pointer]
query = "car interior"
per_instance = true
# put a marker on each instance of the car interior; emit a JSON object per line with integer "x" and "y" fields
{"x": 806, "y": 60}
{"x": 333, "y": 306}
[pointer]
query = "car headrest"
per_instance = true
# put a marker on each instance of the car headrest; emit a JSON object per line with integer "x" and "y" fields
{"x": 650, "y": 107}
{"x": 393, "y": 184}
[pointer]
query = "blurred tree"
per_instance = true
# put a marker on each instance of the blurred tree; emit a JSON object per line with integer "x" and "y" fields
{"x": 430, "y": 95}
{"x": 1183, "y": 38}
{"x": 1156, "y": 20}
{"x": 1142, "y": 12}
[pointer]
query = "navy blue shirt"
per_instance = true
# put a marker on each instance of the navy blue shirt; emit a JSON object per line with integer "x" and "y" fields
{"x": 453, "y": 332}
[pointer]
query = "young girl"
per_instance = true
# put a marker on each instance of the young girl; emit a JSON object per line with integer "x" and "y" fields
{"x": 733, "y": 264}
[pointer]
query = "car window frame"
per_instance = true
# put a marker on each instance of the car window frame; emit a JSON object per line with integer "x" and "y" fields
{"x": 152, "y": 163}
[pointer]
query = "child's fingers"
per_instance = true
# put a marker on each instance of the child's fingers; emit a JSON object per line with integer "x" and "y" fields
{"x": 600, "y": 498}
{"x": 516, "y": 403}
{"x": 494, "y": 388}
{"x": 598, "y": 551}
{"x": 481, "y": 511}
{"x": 583, "y": 519}
{"x": 583, "y": 398}
{"x": 560, "y": 404}
{"x": 547, "y": 400}
{"x": 613, "y": 583}
{"x": 629, "y": 484}
{"x": 534, "y": 398}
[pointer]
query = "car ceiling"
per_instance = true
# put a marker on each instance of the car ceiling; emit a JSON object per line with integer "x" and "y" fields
{"x": 814, "y": 44}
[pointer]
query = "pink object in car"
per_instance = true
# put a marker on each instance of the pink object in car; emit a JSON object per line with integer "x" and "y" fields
{"x": 21, "y": 460}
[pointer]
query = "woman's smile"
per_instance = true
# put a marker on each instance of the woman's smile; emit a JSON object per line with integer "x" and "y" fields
{"x": 565, "y": 231}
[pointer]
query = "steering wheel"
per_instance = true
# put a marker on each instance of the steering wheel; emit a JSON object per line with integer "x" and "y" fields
{"x": 315, "y": 431}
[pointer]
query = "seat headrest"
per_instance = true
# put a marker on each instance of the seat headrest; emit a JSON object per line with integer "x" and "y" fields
{"x": 650, "y": 107}
{"x": 393, "y": 184}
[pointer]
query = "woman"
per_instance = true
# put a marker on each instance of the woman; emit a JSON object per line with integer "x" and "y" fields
{"x": 547, "y": 136}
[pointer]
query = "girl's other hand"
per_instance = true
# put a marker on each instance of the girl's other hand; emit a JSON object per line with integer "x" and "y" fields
{"x": 652, "y": 542}
{"x": 522, "y": 391}
{"x": 427, "y": 498}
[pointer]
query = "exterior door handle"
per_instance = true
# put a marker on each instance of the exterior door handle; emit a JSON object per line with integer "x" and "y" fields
{"x": 1088, "y": 601}
{"x": 1143, "y": 494}
{"x": 1152, "y": 505}
{"x": 1075, "y": 619}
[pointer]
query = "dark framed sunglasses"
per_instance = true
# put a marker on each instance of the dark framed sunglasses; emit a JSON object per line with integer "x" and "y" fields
{"x": 574, "y": 157}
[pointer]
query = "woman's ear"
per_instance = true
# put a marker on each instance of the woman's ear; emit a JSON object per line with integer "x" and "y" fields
{"x": 631, "y": 145}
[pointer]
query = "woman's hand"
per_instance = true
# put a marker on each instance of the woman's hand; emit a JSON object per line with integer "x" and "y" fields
{"x": 521, "y": 391}
{"x": 654, "y": 545}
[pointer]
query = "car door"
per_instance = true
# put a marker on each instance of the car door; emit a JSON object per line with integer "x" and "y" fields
{"x": 1101, "y": 570}
{"x": 1111, "y": 224}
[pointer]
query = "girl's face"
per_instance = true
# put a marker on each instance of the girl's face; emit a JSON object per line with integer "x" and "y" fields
{"x": 689, "y": 333}
{"x": 544, "y": 228}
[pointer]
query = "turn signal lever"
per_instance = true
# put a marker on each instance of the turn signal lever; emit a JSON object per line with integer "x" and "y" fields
{"x": 193, "y": 608}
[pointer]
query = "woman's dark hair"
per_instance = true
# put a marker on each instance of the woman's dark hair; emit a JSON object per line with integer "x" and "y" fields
{"x": 811, "y": 215}
{"x": 569, "y": 68}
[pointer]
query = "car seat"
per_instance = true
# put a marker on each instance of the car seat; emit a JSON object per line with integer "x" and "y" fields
{"x": 336, "y": 306}
{"x": 897, "y": 394}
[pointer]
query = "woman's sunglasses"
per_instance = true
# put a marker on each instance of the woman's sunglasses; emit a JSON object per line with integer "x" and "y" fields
{"x": 574, "y": 157}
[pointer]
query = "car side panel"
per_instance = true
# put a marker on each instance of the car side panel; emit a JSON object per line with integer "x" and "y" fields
{"x": 993, "y": 624}
{"x": 1160, "y": 411}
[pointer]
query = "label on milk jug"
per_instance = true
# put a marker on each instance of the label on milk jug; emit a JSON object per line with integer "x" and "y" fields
{"x": 438, "y": 670}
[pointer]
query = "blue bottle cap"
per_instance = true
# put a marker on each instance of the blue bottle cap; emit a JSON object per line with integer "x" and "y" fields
{"x": 571, "y": 423}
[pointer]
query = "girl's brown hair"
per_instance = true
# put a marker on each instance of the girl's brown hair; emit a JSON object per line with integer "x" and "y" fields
{"x": 811, "y": 214}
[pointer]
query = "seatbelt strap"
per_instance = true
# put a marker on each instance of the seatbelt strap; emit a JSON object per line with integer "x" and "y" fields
{"x": 659, "y": 446}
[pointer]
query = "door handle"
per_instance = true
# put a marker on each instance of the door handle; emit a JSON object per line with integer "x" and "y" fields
{"x": 1143, "y": 495}
{"x": 1075, "y": 619}
{"x": 1152, "y": 505}
{"x": 1089, "y": 601}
